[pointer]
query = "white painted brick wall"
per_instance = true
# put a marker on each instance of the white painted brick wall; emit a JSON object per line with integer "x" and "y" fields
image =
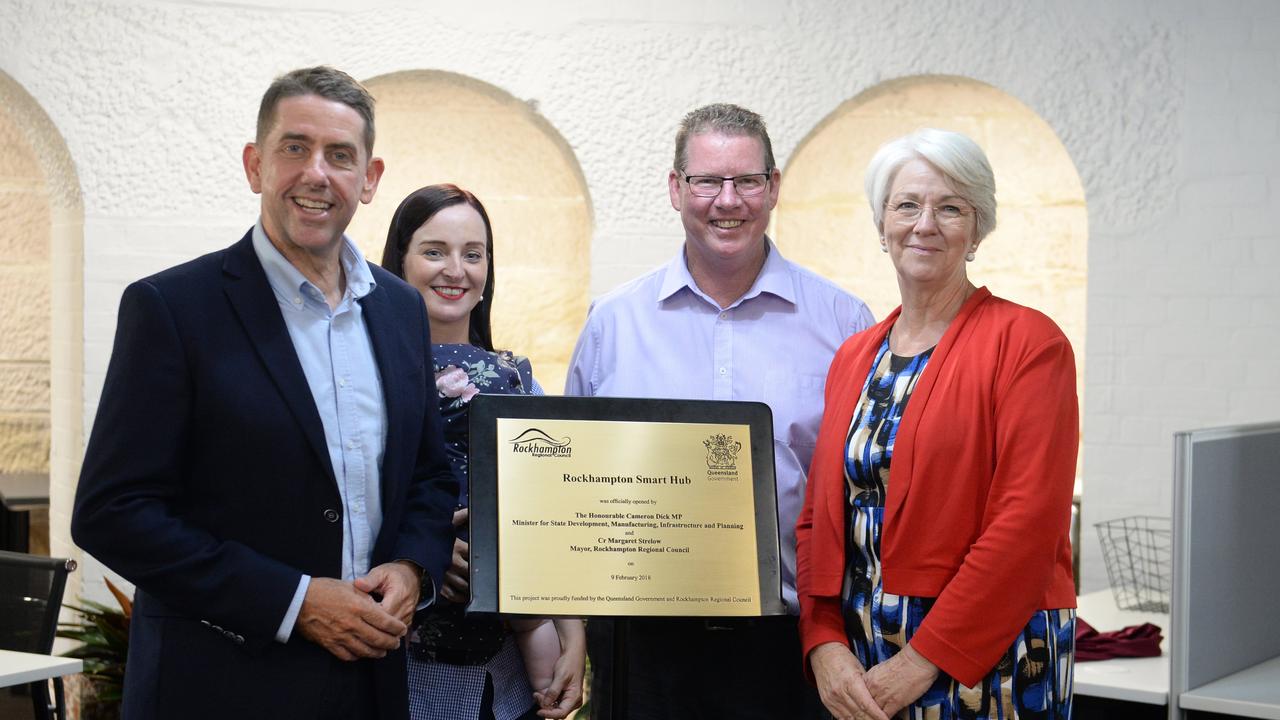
{"x": 1170, "y": 111}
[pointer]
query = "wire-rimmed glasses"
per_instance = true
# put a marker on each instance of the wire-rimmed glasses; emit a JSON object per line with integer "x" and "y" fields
{"x": 908, "y": 212}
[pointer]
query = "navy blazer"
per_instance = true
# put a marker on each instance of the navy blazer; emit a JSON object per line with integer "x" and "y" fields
{"x": 207, "y": 483}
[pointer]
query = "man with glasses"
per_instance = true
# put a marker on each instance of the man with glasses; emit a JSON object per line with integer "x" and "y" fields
{"x": 727, "y": 319}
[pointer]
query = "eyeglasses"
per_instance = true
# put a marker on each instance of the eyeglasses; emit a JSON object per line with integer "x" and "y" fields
{"x": 709, "y": 186}
{"x": 908, "y": 212}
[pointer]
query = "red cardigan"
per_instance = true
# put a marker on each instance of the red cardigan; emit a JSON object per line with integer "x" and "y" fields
{"x": 979, "y": 497}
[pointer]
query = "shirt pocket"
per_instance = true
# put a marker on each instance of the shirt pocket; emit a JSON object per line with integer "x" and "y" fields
{"x": 796, "y": 402}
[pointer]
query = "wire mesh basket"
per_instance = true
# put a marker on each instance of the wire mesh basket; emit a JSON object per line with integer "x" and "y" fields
{"x": 1138, "y": 552}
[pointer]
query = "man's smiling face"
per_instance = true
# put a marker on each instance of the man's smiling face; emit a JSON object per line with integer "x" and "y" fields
{"x": 312, "y": 171}
{"x": 727, "y": 226}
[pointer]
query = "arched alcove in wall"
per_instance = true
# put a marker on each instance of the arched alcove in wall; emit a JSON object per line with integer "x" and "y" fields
{"x": 436, "y": 127}
{"x": 1037, "y": 254}
{"x": 41, "y": 308}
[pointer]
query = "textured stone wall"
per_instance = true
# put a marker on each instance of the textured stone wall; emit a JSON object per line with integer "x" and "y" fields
{"x": 438, "y": 127}
{"x": 1168, "y": 110}
{"x": 1035, "y": 256}
{"x": 24, "y": 305}
{"x": 44, "y": 224}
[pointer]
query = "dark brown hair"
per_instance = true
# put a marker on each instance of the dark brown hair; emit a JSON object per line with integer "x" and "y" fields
{"x": 324, "y": 81}
{"x": 415, "y": 210}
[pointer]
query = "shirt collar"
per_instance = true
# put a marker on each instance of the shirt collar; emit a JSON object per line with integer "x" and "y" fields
{"x": 773, "y": 279}
{"x": 288, "y": 281}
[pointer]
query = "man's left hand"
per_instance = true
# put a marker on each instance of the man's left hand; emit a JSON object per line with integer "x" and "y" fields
{"x": 397, "y": 583}
{"x": 900, "y": 680}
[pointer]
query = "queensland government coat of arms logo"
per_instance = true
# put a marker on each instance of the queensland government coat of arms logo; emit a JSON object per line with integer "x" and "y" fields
{"x": 722, "y": 454}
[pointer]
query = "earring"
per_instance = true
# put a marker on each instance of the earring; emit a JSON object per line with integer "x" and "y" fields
{"x": 883, "y": 247}
{"x": 969, "y": 256}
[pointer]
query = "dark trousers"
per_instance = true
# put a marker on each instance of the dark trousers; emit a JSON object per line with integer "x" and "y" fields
{"x": 685, "y": 668}
{"x": 349, "y": 691}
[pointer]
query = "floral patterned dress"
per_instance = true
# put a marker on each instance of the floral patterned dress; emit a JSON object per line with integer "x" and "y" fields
{"x": 453, "y": 657}
{"x": 1034, "y": 677}
{"x": 462, "y": 372}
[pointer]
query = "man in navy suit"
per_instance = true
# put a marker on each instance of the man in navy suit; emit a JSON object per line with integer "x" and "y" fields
{"x": 266, "y": 465}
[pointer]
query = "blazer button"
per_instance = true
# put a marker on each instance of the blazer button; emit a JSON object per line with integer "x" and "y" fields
{"x": 331, "y": 515}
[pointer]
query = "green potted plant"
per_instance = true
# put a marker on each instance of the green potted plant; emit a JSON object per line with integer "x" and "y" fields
{"x": 103, "y": 632}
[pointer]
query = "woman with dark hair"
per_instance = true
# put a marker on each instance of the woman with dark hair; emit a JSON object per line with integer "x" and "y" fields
{"x": 440, "y": 241}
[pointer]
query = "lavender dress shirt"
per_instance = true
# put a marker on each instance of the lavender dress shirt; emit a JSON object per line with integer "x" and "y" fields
{"x": 659, "y": 336}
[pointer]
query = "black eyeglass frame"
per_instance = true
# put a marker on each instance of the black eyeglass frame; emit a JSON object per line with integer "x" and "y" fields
{"x": 768, "y": 177}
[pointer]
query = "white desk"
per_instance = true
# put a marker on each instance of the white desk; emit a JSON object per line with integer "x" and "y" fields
{"x": 1144, "y": 680}
{"x": 18, "y": 668}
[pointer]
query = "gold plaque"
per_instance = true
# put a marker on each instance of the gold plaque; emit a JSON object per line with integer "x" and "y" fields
{"x": 626, "y": 518}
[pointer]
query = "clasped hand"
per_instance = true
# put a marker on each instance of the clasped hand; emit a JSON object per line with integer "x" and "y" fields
{"x": 565, "y": 692}
{"x": 366, "y": 618}
{"x": 850, "y": 691}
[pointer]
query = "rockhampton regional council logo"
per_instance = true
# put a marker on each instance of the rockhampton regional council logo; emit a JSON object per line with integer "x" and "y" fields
{"x": 538, "y": 443}
{"x": 722, "y": 457}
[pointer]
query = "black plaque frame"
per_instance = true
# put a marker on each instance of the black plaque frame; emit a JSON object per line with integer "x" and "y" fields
{"x": 487, "y": 409}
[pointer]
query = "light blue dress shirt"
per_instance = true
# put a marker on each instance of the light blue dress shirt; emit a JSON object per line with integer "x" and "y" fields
{"x": 337, "y": 358}
{"x": 660, "y": 336}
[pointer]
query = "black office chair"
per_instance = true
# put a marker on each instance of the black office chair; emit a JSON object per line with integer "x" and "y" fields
{"x": 30, "y": 598}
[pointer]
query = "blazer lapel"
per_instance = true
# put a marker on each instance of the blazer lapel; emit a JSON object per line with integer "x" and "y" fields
{"x": 246, "y": 286}
{"x": 386, "y": 333}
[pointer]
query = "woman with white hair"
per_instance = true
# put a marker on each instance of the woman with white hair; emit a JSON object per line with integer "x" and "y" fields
{"x": 934, "y": 566}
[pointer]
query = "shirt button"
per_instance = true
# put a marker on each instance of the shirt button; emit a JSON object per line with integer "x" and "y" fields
{"x": 723, "y": 371}
{"x": 342, "y": 382}
{"x": 297, "y": 301}
{"x": 331, "y": 515}
{"x": 724, "y": 316}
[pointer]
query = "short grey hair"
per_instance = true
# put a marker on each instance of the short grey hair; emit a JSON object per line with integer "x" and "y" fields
{"x": 726, "y": 119}
{"x": 958, "y": 158}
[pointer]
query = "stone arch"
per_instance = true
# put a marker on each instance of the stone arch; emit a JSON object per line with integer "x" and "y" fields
{"x": 435, "y": 127}
{"x": 1037, "y": 254}
{"x": 41, "y": 307}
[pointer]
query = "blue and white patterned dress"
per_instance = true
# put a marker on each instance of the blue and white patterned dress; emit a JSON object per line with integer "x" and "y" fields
{"x": 1034, "y": 677}
{"x": 440, "y": 690}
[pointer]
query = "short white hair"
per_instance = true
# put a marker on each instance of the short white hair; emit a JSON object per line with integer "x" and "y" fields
{"x": 955, "y": 155}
